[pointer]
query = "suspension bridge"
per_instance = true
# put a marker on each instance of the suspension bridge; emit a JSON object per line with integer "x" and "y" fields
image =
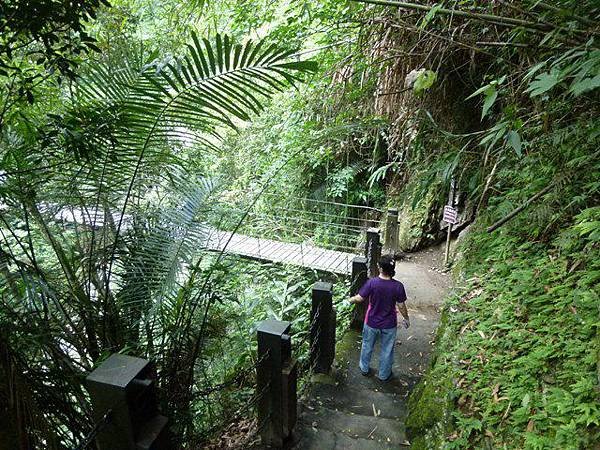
{"x": 311, "y": 233}
{"x": 315, "y": 234}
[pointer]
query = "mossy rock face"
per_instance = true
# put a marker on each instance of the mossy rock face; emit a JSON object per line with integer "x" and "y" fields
{"x": 430, "y": 403}
{"x": 418, "y": 224}
{"x": 428, "y": 408}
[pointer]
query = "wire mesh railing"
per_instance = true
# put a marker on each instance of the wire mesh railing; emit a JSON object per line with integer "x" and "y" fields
{"x": 304, "y": 221}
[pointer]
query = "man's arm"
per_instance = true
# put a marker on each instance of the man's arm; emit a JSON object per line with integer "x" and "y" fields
{"x": 356, "y": 299}
{"x": 401, "y": 308}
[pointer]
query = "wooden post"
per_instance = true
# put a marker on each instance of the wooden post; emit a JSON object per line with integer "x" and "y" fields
{"x": 451, "y": 203}
{"x": 447, "y": 252}
{"x": 123, "y": 394}
{"x": 276, "y": 380}
{"x": 359, "y": 277}
{"x": 390, "y": 240}
{"x": 322, "y": 328}
{"x": 373, "y": 251}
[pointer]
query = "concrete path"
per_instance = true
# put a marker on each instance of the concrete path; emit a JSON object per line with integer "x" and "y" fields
{"x": 349, "y": 411}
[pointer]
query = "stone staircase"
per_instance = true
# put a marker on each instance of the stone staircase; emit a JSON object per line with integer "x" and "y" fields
{"x": 349, "y": 411}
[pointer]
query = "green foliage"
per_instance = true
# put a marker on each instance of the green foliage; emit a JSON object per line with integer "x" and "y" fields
{"x": 32, "y": 50}
{"x": 424, "y": 81}
{"x": 577, "y": 69}
{"x": 518, "y": 349}
{"x": 100, "y": 230}
{"x": 490, "y": 94}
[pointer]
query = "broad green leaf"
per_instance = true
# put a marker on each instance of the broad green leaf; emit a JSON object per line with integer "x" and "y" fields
{"x": 585, "y": 85}
{"x": 543, "y": 83}
{"x": 429, "y": 16}
{"x": 514, "y": 140}
{"x": 424, "y": 81}
{"x": 491, "y": 94}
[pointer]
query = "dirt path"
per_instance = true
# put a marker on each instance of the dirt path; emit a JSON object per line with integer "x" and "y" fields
{"x": 348, "y": 411}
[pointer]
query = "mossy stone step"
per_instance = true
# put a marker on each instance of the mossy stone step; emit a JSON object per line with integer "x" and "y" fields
{"x": 315, "y": 439}
{"x": 357, "y": 400}
{"x": 357, "y": 426}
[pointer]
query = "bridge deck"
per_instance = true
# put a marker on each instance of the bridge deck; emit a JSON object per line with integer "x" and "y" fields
{"x": 281, "y": 252}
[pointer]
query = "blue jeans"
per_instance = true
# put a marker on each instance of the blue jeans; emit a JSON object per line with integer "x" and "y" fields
{"x": 386, "y": 358}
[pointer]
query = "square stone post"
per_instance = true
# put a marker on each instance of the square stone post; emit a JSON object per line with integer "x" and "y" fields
{"x": 373, "y": 251}
{"x": 123, "y": 394}
{"x": 322, "y": 328}
{"x": 390, "y": 240}
{"x": 359, "y": 277}
{"x": 276, "y": 379}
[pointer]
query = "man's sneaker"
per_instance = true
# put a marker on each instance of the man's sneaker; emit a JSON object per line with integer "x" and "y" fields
{"x": 367, "y": 373}
{"x": 387, "y": 379}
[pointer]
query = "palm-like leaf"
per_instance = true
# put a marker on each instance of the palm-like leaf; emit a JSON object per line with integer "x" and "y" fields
{"x": 125, "y": 127}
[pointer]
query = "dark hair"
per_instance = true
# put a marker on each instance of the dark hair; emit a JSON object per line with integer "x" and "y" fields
{"x": 386, "y": 264}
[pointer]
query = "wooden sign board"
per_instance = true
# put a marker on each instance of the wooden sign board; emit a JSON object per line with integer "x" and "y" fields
{"x": 450, "y": 214}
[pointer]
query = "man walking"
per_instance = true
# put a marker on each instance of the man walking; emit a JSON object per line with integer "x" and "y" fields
{"x": 386, "y": 298}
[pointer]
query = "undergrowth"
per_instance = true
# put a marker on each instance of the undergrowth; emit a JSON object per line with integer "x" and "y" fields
{"x": 517, "y": 363}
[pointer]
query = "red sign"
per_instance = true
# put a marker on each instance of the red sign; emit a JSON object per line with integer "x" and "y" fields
{"x": 450, "y": 214}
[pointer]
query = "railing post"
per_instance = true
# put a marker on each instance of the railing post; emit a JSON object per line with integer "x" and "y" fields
{"x": 373, "y": 251}
{"x": 322, "y": 327}
{"x": 124, "y": 405}
{"x": 359, "y": 277}
{"x": 390, "y": 240}
{"x": 276, "y": 381}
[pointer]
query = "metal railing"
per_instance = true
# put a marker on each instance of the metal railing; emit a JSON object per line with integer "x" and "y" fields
{"x": 277, "y": 372}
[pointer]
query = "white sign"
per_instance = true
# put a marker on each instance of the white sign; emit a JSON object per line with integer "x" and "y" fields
{"x": 450, "y": 214}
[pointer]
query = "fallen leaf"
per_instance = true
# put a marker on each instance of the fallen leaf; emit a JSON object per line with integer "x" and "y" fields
{"x": 530, "y": 425}
{"x": 370, "y": 435}
{"x": 463, "y": 329}
{"x": 506, "y": 412}
{"x": 495, "y": 393}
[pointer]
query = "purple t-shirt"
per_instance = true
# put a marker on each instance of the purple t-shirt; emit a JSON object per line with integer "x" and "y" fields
{"x": 382, "y": 296}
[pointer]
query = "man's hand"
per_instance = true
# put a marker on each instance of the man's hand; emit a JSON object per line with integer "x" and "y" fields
{"x": 356, "y": 299}
{"x": 401, "y": 307}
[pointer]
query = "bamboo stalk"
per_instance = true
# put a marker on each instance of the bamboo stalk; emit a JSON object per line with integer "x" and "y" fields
{"x": 581, "y": 19}
{"x": 516, "y": 211}
{"x": 458, "y": 13}
{"x": 502, "y": 44}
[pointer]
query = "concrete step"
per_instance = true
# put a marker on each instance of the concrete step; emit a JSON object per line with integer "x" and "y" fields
{"x": 315, "y": 439}
{"x": 356, "y": 426}
{"x": 399, "y": 384}
{"x": 357, "y": 400}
